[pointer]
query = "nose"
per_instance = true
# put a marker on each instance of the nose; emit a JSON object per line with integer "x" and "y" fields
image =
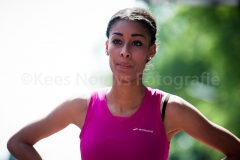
{"x": 125, "y": 52}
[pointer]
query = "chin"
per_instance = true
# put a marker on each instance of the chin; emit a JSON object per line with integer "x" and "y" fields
{"x": 125, "y": 79}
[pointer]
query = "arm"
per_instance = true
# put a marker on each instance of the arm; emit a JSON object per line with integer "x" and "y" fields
{"x": 70, "y": 112}
{"x": 180, "y": 115}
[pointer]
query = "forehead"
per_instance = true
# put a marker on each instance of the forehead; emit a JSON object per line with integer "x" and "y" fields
{"x": 129, "y": 27}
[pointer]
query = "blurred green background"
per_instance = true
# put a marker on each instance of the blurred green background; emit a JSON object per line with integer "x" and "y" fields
{"x": 198, "y": 59}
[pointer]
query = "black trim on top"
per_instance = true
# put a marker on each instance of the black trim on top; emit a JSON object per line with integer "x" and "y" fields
{"x": 165, "y": 105}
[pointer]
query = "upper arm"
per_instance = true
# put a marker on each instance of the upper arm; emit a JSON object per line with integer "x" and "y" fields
{"x": 72, "y": 111}
{"x": 180, "y": 115}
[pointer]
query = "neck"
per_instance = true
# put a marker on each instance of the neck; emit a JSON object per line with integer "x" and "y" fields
{"x": 125, "y": 97}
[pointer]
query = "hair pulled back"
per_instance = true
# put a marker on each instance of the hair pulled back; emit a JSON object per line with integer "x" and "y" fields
{"x": 140, "y": 15}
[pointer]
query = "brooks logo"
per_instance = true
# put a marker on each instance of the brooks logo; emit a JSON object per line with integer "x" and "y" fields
{"x": 143, "y": 130}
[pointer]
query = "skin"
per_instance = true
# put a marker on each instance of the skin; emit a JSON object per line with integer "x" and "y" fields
{"x": 128, "y": 49}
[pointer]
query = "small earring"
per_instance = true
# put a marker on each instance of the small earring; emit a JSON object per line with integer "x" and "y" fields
{"x": 150, "y": 58}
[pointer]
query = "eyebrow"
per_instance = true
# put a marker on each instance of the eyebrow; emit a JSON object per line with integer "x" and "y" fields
{"x": 133, "y": 35}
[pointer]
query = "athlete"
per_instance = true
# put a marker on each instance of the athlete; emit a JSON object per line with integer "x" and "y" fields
{"x": 127, "y": 120}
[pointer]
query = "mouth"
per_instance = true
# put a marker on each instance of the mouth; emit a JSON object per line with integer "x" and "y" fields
{"x": 124, "y": 65}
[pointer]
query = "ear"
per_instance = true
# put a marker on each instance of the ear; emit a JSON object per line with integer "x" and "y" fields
{"x": 106, "y": 47}
{"x": 152, "y": 51}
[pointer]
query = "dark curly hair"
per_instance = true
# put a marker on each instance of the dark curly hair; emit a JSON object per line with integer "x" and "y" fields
{"x": 140, "y": 15}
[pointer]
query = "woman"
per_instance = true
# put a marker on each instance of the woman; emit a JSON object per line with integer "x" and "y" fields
{"x": 126, "y": 120}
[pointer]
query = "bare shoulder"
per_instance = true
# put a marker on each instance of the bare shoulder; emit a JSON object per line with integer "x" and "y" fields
{"x": 178, "y": 105}
{"x": 181, "y": 115}
{"x": 174, "y": 111}
{"x": 76, "y": 106}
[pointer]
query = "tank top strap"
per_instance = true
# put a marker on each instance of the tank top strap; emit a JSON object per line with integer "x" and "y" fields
{"x": 96, "y": 97}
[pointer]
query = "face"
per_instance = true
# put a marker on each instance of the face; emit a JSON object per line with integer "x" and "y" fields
{"x": 128, "y": 48}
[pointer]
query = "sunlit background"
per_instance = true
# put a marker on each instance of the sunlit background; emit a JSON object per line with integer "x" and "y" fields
{"x": 51, "y": 50}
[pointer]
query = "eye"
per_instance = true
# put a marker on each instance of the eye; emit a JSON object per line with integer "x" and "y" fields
{"x": 116, "y": 41}
{"x": 137, "y": 43}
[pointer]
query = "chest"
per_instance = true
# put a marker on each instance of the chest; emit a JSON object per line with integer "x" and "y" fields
{"x": 137, "y": 137}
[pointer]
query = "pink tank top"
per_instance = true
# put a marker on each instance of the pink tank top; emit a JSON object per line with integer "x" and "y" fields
{"x": 139, "y": 137}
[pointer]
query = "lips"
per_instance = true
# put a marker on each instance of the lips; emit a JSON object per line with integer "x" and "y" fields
{"x": 124, "y": 65}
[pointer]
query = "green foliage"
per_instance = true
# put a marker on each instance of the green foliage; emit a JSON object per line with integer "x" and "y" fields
{"x": 198, "y": 60}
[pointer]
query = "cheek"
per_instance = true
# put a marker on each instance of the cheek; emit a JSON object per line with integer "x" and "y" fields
{"x": 111, "y": 52}
{"x": 140, "y": 56}
{"x": 111, "y": 60}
